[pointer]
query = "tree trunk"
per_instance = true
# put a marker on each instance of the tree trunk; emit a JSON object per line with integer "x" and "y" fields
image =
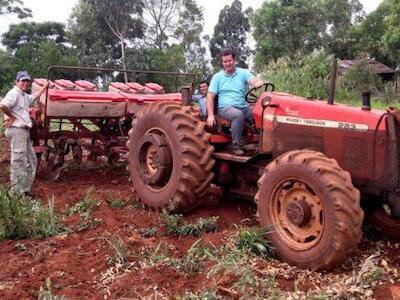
{"x": 123, "y": 59}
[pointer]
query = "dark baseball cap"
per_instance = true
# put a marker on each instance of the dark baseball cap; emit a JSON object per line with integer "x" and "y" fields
{"x": 23, "y": 75}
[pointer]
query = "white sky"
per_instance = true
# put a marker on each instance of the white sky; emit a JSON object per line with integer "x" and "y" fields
{"x": 60, "y": 10}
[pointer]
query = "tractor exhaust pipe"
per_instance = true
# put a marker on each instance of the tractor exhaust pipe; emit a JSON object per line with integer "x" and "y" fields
{"x": 186, "y": 95}
{"x": 366, "y": 100}
{"x": 332, "y": 82}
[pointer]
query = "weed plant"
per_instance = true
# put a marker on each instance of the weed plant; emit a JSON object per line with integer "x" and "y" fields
{"x": 117, "y": 203}
{"x": 148, "y": 232}
{"x": 24, "y": 218}
{"x": 175, "y": 225}
{"x": 255, "y": 240}
{"x": 47, "y": 293}
{"x": 85, "y": 206}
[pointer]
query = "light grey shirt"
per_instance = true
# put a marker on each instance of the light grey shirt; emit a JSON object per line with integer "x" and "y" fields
{"x": 18, "y": 102}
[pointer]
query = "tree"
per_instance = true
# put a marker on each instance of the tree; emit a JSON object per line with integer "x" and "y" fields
{"x": 169, "y": 59}
{"x": 231, "y": 31}
{"x": 36, "y": 46}
{"x": 31, "y": 32}
{"x": 391, "y": 37}
{"x": 339, "y": 17}
{"x": 177, "y": 25}
{"x": 7, "y": 71}
{"x": 14, "y": 7}
{"x": 188, "y": 32}
{"x": 38, "y": 57}
{"x": 161, "y": 20}
{"x": 374, "y": 32}
{"x": 287, "y": 28}
{"x": 124, "y": 20}
{"x": 298, "y": 27}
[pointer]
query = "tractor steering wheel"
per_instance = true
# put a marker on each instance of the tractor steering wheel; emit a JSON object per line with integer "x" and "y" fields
{"x": 254, "y": 93}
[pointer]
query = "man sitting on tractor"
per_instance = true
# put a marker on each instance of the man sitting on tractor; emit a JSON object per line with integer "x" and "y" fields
{"x": 230, "y": 85}
{"x": 201, "y": 98}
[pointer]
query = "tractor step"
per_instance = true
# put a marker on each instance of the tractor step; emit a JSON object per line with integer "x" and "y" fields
{"x": 231, "y": 157}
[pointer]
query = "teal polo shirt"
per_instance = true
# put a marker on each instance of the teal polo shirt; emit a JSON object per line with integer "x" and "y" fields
{"x": 231, "y": 89}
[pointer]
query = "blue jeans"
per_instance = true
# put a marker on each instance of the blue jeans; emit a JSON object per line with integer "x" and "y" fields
{"x": 237, "y": 116}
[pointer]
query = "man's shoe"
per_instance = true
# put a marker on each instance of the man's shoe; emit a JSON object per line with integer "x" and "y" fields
{"x": 237, "y": 150}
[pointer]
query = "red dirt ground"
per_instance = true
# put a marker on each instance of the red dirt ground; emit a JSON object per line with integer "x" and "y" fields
{"x": 75, "y": 262}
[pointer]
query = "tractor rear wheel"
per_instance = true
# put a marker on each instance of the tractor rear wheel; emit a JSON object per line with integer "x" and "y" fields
{"x": 312, "y": 208}
{"x": 169, "y": 157}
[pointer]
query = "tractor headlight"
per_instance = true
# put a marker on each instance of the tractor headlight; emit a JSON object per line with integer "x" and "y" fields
{"x": 266, "y": 101}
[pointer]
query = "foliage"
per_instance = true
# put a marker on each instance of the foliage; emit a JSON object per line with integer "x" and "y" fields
{"x": 369, "y": 34}
{"x": 23, "y": 218}
{"x": 85, "y": 206}
{"x": 120, "y": 254}
{"x": 361, "y": 77}
{"x": 90, "y": 36}
{"x": 47, "y": 293}
{"x": 32, "y": 32}
{"x": 190, "y": 27}
{"x": 231, "y": 32}
{"x": 391, "y": 37}
{"x": 123, "y": 18}
{"x": 148, "y": 232}
{"x": 116, "y": 202}
{"x": 175, "y": 225}
{"x": 14, "y": 7}
{"x": 38, "y": 57}
{"x": 174, "y": 25}
{"x": 305, "y": 76}
{"x": 255, "y": 240}
{"x": 202, "y": 295}
{"x": 308, "y": 76}
{"x": 34, "y": 47}
{"x": 162, "y": 17}
{"x": 293, "y": 28}
{"x": 7, "y": 72}
{"x": 170, "y": 59}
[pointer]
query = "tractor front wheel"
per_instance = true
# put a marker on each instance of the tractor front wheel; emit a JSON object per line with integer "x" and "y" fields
{"x": 312, "y": 208}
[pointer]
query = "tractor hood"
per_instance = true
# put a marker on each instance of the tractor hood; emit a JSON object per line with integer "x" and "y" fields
{"x": 289, "y": 109}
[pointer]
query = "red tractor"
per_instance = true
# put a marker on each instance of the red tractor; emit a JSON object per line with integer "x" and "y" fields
{"x": 307, "y": 162}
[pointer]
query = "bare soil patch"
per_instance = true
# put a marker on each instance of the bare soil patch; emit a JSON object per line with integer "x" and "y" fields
{"x": 120, "y": 249}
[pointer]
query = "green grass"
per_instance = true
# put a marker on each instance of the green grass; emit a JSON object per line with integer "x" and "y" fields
{"x": 255, "y": 240}
{"x": 23, "y": 218}
{"x": 85, "y": 206}
{"x": 175, "y": 225}
{"x": 116, "y": 202}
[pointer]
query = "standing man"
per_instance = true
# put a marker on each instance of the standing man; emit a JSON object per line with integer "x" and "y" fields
{"x": 230, "y": 85}
{"x": 15, "y": 105}
{"x": 201, "y": 97}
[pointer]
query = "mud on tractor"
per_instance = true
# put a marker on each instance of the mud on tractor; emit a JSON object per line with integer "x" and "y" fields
{"x": 306, "y": 163}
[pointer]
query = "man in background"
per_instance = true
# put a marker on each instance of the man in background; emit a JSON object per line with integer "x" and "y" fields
{"x": 15, "y": 105}
{"x": 201, "y": 98}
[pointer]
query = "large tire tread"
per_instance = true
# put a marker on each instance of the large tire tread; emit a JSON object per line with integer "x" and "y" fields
{"x": 348, "y": 215}
{"x": 195, "y": 154}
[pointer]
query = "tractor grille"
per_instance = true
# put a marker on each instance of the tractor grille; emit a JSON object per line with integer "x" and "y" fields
{"x": 391, "y": 160}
